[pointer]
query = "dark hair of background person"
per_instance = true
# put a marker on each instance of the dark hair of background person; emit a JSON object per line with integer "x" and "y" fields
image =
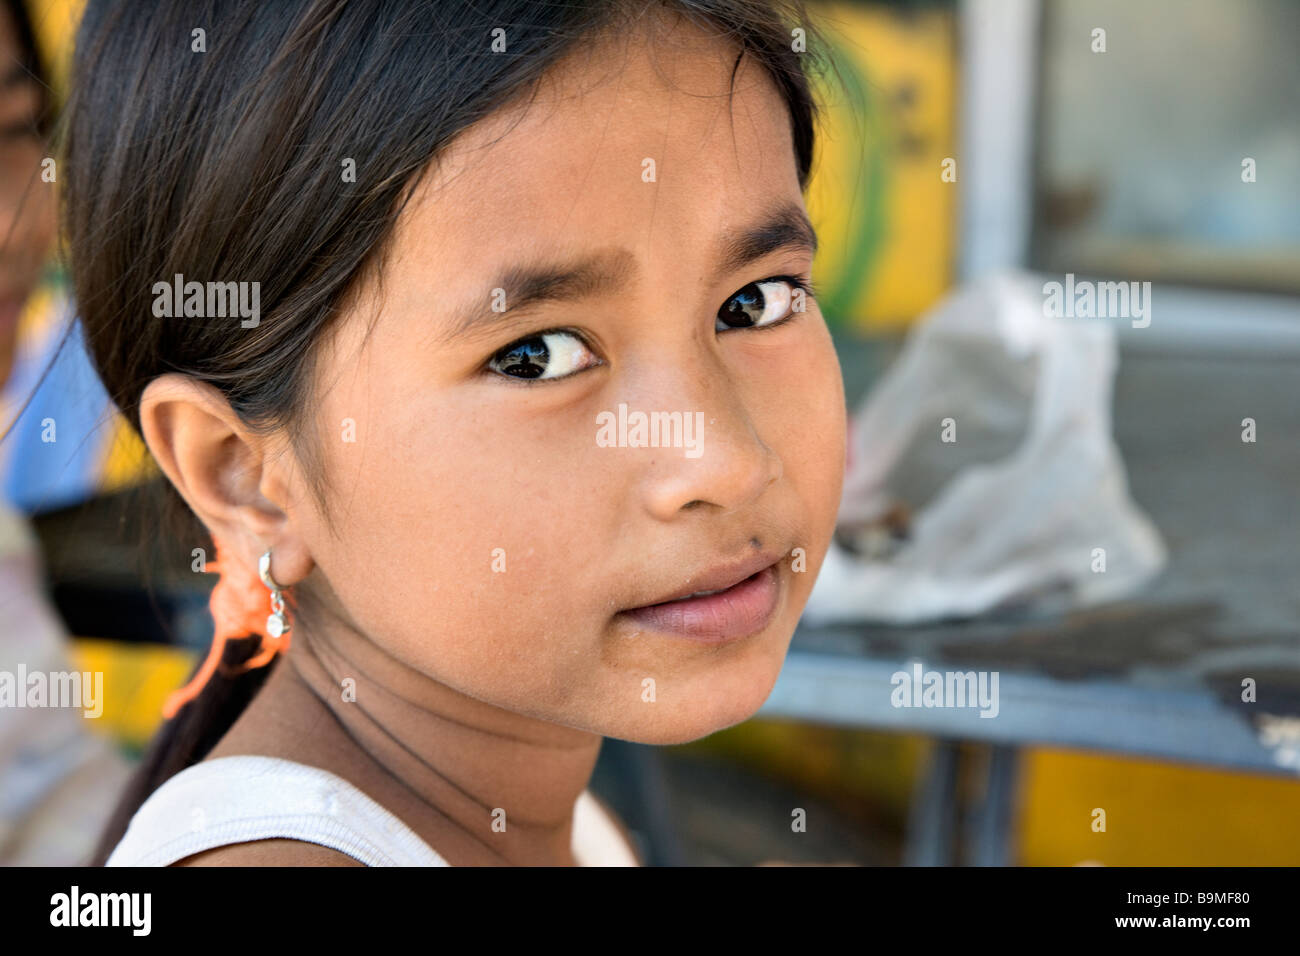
{"x": 32, "y": 61}
{"x": 226, "y": 165}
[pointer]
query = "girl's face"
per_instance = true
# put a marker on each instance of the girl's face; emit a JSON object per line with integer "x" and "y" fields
{"x": 495, "y": 520}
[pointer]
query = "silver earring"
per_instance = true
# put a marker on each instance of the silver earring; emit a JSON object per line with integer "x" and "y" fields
{"x": 276, "y": 624}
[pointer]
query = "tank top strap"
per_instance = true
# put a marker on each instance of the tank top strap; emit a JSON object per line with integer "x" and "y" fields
{"x": 242, "y": 798}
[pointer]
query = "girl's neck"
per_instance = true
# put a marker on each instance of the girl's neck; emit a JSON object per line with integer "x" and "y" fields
{"x": 446, "y": 764}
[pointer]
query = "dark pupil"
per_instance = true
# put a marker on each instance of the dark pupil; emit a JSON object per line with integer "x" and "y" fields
{"x": 744, "y": 308}
{"x": 527, "y": 359}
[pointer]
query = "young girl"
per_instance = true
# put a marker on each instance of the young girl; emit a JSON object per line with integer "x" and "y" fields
{"x": 480, "y": 338}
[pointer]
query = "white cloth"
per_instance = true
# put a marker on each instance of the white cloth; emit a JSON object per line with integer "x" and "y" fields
{"x": 237, "y": 799}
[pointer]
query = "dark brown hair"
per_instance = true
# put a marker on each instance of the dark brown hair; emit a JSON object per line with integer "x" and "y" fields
{"x": 225, "y": 165}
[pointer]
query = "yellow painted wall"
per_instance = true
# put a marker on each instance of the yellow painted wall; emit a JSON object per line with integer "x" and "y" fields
{"x": 1157, "y": 814}
{"x": 137, "y": 678}
{"x": 885, "y": 217}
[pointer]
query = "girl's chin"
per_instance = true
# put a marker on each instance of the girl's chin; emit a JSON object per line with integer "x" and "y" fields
{"x": 706, "y": 712}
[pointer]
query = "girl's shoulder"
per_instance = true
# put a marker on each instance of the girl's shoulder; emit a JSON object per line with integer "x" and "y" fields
{"x": 245, "y": 806}
{"x": 274, "y": 852}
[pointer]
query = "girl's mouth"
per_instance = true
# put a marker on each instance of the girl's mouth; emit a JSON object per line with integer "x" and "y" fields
{"x": 716, "y": 616}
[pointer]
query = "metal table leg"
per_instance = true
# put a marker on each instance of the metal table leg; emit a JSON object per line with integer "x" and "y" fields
{"x": 931, "y": 822}
{"x": 989, "y": 839}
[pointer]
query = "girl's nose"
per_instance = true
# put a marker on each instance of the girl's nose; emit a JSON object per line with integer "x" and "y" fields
{"x": 727, "y": 469}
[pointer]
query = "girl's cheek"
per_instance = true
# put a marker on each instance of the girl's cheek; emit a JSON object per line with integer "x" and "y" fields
{"x": 818, "y": 458}
{"x": 808, "y": 383}
{"x": 482, "y": 535}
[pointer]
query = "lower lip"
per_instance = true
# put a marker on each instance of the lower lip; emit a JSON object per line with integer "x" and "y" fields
{"x": 741, "y": 610}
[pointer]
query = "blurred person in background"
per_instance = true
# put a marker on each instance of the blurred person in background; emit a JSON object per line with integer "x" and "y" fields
{"x": 59, "y": 777}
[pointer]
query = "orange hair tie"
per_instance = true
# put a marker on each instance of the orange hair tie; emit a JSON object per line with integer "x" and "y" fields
{"x": 239, "y": 609}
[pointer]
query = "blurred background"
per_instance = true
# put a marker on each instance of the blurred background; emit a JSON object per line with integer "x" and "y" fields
{"x": 963, "y": 140}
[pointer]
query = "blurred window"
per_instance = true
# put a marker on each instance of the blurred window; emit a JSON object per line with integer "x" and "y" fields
{"x": 1144, "y": 151}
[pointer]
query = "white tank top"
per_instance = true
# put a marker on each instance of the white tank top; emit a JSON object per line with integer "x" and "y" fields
{"x": 236, "y": 799}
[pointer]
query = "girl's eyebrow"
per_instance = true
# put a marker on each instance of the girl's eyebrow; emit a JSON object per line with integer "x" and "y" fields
{"x": 786, "y": 227}
{"x": 608, "y": 271}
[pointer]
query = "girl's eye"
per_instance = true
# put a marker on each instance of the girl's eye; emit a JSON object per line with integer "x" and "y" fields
{"x": 17, "y": 132}
{"x": 548, "y": 355}
{"x": 765, "y": 302}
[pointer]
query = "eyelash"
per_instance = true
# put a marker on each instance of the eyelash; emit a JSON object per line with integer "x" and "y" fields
{"x": 801, "y": 282}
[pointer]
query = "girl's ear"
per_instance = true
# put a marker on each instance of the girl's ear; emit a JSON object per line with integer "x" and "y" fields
{"x": 228, "y": 475}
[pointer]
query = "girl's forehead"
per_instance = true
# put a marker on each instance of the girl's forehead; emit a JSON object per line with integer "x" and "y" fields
{"x": 600, "y": 149}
